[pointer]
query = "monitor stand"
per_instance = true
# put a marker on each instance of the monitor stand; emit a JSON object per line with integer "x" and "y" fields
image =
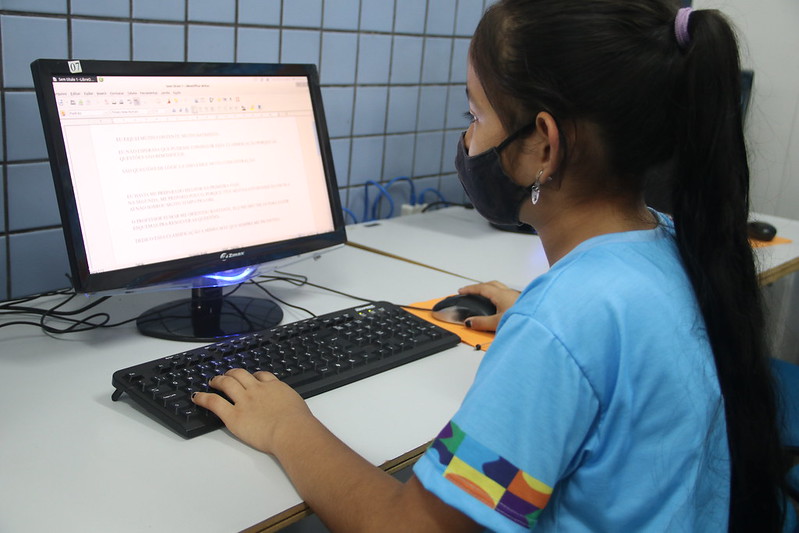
{"x": 209, "y": 316}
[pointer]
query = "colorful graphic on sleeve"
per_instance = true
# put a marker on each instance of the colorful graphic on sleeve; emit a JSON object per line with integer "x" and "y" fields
{"x": 490, "y": 478}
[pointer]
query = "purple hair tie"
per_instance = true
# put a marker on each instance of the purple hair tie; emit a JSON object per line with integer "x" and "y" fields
{"x": 681, "y": 27}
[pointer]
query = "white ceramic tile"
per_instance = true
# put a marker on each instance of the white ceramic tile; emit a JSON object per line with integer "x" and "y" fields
{"x": 100, "y": 39}
{"x": 38, "y": 262}
{"x": 211, "y": 43}
{"x": 212, "y": 10}
{"x": 158, "y": 42}
{"x": 28, "y": 38}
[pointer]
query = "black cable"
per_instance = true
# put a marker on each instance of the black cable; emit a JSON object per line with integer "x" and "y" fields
{"x": 306, "y": 282}
{"x": 298, "y": 280}
{"x": 446, "y": 204}
{"x": 76, "y": 325}
{"x": 258, "y": 284}
{"x": 101, "y": 320}
{"x": 339, "y": 292}
{"x": 14, "y": 307}
{"x": 415, "y": 308}
{"x": 8, "y": 304}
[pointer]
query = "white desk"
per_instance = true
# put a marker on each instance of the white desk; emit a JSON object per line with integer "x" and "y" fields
{"x": 73, "y": 460}
{"x": 459, "y": 241}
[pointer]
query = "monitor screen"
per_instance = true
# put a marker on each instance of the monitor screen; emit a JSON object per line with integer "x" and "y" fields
{"x": 183, "y": 174}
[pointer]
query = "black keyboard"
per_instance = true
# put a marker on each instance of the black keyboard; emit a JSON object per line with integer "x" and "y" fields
{"x": 312, "y": 356}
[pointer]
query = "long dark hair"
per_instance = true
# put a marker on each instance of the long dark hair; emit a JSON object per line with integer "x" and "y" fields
{"x": 618, "y": 65}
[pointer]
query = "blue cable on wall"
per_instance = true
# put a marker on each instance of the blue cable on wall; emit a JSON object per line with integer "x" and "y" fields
{"x": 370, "y": 210}
{"x": 434, "y": 191}
{"x": 351, "y": 214}
{"x": 412, "y": 195}
{"x": 381, "y": 192}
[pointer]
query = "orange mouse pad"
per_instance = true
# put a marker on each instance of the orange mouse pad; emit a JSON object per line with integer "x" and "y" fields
{"x": 776, "y": 240}
{"x": 481, "y": 340}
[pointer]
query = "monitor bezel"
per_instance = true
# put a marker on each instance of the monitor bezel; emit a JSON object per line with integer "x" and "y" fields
{"x": 172, "y": 272}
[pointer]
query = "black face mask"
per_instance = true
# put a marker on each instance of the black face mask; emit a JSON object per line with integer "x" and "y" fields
{"x": 492, "y": 192}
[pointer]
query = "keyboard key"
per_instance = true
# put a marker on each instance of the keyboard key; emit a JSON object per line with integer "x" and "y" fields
{"x": 169, "y": 397}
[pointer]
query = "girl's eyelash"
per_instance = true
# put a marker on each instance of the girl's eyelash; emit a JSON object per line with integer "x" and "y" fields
{"x": 468, "y": 116}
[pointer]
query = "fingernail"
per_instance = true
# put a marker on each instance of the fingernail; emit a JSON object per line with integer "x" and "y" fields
{"x": 193, "y": 394}
{"x": 468, "y": 324}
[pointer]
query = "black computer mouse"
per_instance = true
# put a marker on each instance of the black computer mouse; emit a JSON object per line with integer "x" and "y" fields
{"x": 761, "y": 231}
{"x": 456, "y": 309}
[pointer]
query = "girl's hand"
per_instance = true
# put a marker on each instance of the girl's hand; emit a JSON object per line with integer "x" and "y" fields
{"x": 499, "y": 294}
{"x": 261, "y": 404}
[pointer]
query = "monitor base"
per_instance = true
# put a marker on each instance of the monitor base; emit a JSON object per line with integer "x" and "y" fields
{"x": 208, "y": 316}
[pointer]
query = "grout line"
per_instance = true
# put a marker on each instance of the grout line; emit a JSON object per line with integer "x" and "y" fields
{"x": 69, "y": 20}
{"x": 6, "y": 283}
{"x": 383, "y": 178}
{"x": 130, "y": 31}
{"x": 354, "y": 103}
{"x": 186, "y": 30}
{"x": 236, "y": 31}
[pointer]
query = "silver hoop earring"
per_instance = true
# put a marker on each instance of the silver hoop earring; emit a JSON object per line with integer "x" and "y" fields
{"x": 536, "y": 187}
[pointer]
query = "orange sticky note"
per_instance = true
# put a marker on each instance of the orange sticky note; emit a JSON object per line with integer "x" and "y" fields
{"x": 776, "y": 240}
{"x": 479, "y": 339}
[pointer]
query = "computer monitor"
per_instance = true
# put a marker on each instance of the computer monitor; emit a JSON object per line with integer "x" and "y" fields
{"x": 188, "y": 175}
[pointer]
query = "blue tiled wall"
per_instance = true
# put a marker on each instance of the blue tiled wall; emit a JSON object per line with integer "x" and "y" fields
{"x": 393, "y": 74}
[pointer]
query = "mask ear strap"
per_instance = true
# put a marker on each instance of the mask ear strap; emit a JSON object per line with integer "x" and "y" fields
{"x": 515, "y": 135}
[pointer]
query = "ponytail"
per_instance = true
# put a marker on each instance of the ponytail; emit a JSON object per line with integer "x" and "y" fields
{"x": 710, "y": 202}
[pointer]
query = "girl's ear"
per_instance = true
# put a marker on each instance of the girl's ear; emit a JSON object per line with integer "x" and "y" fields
{"x": 549, "y": 139}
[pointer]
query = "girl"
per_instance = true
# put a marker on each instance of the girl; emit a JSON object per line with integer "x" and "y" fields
{"x": 627, "y": 388}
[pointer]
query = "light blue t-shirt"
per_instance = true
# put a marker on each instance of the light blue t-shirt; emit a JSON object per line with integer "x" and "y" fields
{"x": 597, "y": 407}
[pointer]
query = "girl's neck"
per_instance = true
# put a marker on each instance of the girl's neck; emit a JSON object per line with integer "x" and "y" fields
{"x": 566, "y": 228}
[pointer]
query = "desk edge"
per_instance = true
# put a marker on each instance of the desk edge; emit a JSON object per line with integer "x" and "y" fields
{"x": 301, "y": 510}
{"x": 405, "y": 259}
{"x": 773, "y": 274}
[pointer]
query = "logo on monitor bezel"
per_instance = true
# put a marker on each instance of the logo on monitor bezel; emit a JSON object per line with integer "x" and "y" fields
{"x": 224, "y": 256}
